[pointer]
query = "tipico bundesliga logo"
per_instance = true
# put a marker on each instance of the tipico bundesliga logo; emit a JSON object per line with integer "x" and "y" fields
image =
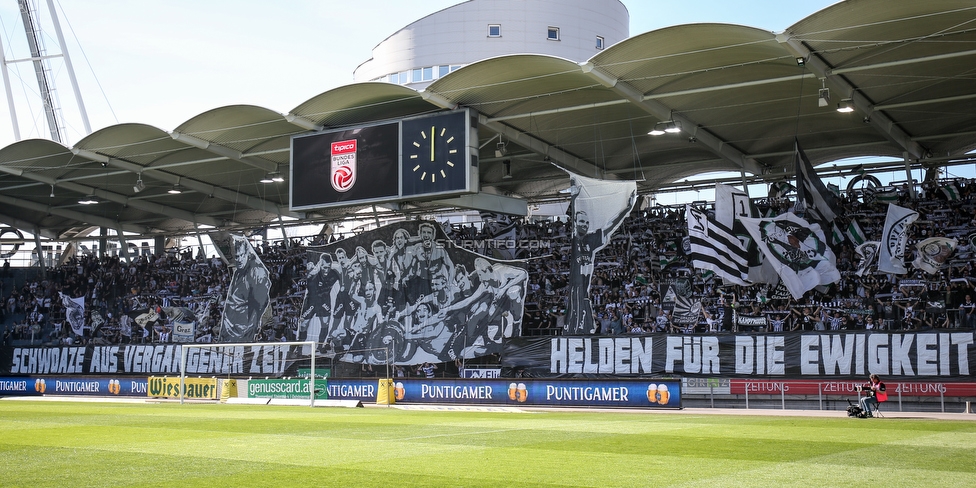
{"x": 344, "y": 169}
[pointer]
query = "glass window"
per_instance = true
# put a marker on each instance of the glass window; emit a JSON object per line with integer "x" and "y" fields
{"x": 599, "y": 42}
{"x": 494, "y": 30}
{"x": 395, "y": 78}
{"x": 416, "y": 75}
{"x": 443, "y": 70}
{"x": 553, "y": 34}
{"x": 428, "y": 73}
{"x": 455, "y": 67}
{"x": 403, "y": 78}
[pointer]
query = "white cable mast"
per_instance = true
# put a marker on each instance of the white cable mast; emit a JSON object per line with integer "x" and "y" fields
{"x": 42, "y": 72}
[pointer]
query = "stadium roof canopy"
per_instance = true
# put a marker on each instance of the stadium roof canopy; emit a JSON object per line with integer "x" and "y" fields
{"x": 740, "y": 95}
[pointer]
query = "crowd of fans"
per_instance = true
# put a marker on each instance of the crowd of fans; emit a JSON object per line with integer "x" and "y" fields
{"x": 133, "y": 302}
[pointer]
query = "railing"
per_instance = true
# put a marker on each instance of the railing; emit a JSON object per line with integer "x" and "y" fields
{"x": 746, "y": 392}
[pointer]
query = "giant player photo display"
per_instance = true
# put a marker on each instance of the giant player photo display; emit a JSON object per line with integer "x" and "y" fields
{"x": 405, "y": 292}
{"x": 248, "y": 295}
{"x": 596, "y": 208}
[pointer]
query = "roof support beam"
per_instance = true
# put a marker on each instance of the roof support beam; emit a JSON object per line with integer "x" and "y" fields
{"x": 23, "y": 224}
{"x": 729, "y": 86}
{"x": 558, "y": 157}
{"x": 900, "y": 62}
{"x": 115, "y": 197}
{"x": 140, "y": 204}
{"x": 878, "y": 120}
{"x": 888, "y": 106}
{"x": 72, "y": 214}
{"x": 492, "y": 203}
{"x": 197, "y": 186}
{"x": 663, "y": 112}
{"x": 559, "y": 110}
{"x": 224, "y": 151}
{"x": 303, "y": 122}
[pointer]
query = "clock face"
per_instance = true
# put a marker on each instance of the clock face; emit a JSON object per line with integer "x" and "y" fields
{"x": 434, "y": 154}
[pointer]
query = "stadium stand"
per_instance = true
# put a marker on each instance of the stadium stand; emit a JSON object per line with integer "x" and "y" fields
{"x": 625, "y": 292}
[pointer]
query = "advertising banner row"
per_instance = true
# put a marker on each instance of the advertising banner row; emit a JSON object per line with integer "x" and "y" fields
{"x": 536, "y": 392}
{"x": 620, "y": 393}
{"x": 944, "y": 354}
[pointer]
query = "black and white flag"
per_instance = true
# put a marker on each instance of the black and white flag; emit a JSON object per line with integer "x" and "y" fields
{"x": 74, "y": 312}
{"x": 731, "y": 204}
{"x": 815, "y": 203}
{"x": 797, "y": 250}
{"x": 714, "y": 247}
{"x": 932, "y": 253}
{"x": 404, "y": 292}
{"x": 894, "y": 239}
{"x": 868, "y": 251}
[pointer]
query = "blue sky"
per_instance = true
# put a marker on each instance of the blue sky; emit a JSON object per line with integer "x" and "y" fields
{"x": 162, "y": 62}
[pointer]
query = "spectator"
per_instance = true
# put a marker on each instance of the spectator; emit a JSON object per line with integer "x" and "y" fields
{"x": 967, "y": 312}
{"x": 427, "y": 370}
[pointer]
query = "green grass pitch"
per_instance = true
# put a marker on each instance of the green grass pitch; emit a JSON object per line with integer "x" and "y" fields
{"x": 84, "y": 444}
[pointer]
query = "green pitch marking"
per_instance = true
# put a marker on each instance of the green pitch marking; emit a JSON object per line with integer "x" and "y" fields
{"x": 111, "y": 444}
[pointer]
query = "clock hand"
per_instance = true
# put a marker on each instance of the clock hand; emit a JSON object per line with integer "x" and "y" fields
{"x": 432, "y": 144}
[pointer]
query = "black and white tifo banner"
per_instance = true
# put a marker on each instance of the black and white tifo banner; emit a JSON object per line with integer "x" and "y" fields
{"x": 248, "y": 295}
{"x": 406, "y": 291}
{"x": 266, "y": 360}
{"x": 944, "y": 354}
{"x": 939, "y": 353}
{"x": 597, "y": 208}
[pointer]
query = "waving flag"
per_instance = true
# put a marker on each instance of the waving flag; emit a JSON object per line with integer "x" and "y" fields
{"x": 715, "y": 248}
{"x": 932, "y": 253}
{"x": 894, "y": 238}
{"x": 854, "y": 233}
{"x": 74, "y": 313}
{"x": 731, "y": 204}
{"x": 951, "y": 192}
{"x": 819, "y": 202}
{"x": 796, "y": 249}
{"x": 498, "y": 228}
{"x": 780, "y": 189}
{"x": 868, "y": 251}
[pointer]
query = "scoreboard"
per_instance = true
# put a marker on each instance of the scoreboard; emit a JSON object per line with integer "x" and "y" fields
{"x": 432, "y": 156}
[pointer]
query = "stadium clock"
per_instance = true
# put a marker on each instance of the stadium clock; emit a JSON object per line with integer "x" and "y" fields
{"x": 434, "y": 154}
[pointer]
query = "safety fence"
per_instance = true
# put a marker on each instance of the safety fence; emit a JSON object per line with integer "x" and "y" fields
{"x": 824, "y": 394}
